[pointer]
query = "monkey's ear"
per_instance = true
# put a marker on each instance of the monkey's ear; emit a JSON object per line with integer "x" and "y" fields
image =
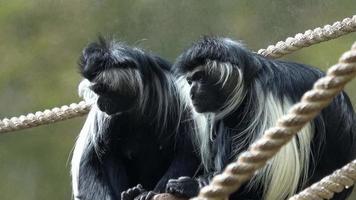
{"x": 250, "y": 66}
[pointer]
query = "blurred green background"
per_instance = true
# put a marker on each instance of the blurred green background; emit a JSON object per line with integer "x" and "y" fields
{"x": 40, "y": 42}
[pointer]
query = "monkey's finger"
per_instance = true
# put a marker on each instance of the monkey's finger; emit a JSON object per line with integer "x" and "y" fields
{"x": 184, "y": 178}
{"x": 136, "y": 190}
{"x": 129, "y": 191}
{"x": 139, "y": 188}
{"x": 172, "y": 190}
{"x": 150, "y": 195}
{"x": 172, "y": 181}
{"x": 124, "y": 196}
{"x": 169, "y": 187}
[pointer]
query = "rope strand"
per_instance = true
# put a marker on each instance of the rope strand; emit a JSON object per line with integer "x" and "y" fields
{"x": 328, "y": 186}
{"x": 310, "y": 37}
{"x": 46, "y": 117}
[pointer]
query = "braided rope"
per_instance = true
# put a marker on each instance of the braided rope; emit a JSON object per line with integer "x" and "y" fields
{"x": 310, "y": 37}
{"x": 281, "y": 48}
{"x": 312, "y": 102}
{"x": 45, "y": 117}
{"x": 334, "y": 183}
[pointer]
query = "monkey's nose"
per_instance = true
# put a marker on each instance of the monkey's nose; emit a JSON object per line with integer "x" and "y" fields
{"x": 192, "y": 95}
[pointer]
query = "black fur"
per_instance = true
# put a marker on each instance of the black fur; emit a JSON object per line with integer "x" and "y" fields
{"x": 147, "y": 136}
{"x": 334, "y": 142}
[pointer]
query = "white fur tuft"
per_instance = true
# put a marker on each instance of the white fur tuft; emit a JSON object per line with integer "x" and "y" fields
{"x": 201, "y": 122}
{"x": 89, "y": 134}
{"x": 283, "y": 174}
{"x": 84, "y": 142}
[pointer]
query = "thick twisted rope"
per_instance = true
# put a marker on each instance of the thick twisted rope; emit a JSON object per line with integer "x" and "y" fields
{"x": 310, "y": 37}
{"x": 328, "y": 186}
{"x": 312, "y": 102}
{"x": 281, "y": 48}
{"x": 45, "y": 117}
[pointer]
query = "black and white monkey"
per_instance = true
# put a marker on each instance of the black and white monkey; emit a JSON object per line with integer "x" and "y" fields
{"x": 138, "y": 129}
{"x": 242, "y": 94}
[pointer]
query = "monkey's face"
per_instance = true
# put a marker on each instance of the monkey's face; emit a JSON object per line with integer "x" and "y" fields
{"x": 207, "y": 93}
{"x": 116, "y": 80}
{"x": 226, "y": 67}
{"x": 113, "y": 100}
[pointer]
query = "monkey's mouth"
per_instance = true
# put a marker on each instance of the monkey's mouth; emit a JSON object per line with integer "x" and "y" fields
{"x": 116, "y": 104}
{"x": 195, "y": 103}
{"x": 202, "y": 105}
{"x": 105, "y": 107}
{"x": 199, "y": 106}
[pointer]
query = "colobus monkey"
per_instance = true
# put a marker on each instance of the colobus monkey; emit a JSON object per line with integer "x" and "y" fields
{"x": 242, "y": 94}
{"x": 138, "y": 129}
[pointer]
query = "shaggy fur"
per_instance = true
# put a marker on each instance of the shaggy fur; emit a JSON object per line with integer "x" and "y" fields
{"x": 250, "y": 93}
{"x": 139, "y": 128}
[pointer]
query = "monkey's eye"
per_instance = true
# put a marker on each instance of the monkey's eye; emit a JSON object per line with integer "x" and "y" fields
{"x": 199, "y": 77}
{"x": 202, "y": 79}
{"x": 189, "y": 81}
{"x": 99, "y": 89}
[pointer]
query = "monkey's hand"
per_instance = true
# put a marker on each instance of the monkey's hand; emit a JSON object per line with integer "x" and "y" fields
{"x": 133, "y": 192}
{"x": 146, "y": 195}
{"x": 183, "y": 187}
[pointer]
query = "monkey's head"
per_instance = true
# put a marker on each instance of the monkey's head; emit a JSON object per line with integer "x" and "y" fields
{"x": 217, "y": 70}
{"x": 116, "y": 74}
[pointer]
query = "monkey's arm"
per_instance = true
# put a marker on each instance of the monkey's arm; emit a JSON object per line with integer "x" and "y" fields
{"x": 338, "y": 145}
{"x": 100, "y": 178}
{"x": 186, "y": 160}
{"x": 185, "y": 163}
